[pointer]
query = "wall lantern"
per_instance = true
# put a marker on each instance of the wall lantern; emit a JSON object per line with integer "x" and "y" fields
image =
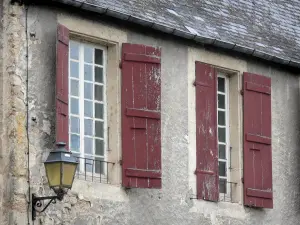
{"x": 60, "y": 169}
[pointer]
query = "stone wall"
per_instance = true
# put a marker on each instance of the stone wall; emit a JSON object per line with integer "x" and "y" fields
{"x": 94, "y": 203}
{"x": 13, "y": 168}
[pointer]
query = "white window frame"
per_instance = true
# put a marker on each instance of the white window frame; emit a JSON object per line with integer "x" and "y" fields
{"x": 81, "y": 105}
{"x": 224, "y": 196}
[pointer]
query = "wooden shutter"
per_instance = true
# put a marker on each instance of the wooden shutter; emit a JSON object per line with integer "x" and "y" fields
{"x": 257, "y": 141}
{"x": 62, "y": 65}
{"x": 141, "y": 128}
{"x": 206, "y": 133}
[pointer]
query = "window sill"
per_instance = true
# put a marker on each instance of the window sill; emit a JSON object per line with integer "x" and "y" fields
{"x": 85, "y": 189}
{"x": 226, "y": 209}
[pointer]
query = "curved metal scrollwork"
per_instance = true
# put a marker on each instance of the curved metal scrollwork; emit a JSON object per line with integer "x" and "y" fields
{"x": 38, "y": 202}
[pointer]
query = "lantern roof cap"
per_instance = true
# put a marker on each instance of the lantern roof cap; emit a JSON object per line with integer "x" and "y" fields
{"x": 61, "y": 154}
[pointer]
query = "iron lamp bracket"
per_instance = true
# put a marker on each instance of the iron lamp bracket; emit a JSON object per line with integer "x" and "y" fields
{"x": 38, "y": 202}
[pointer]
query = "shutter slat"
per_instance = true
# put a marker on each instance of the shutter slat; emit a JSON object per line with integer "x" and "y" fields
{"x": 143, "y": 173}
{"x": 258, "y": 88}
{"x": 143, "y": 113}
{"x": 141, "y": 58}
{"x": 206, "y": 133}
{"x": 62, "y": 73}
{"x": 259, "y": 193}
{"x": 141, "y": 116}
{"x": 257, "y": 141}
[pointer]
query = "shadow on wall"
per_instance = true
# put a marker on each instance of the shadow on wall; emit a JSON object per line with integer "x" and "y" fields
{"x": 296, "y": 196}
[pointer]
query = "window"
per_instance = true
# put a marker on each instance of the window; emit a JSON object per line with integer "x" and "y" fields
{"x": 87, "y": 106}
{"x": 223, "y": 133}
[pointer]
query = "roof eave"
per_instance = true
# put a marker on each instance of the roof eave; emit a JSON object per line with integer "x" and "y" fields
{"x": 82, "y": 4}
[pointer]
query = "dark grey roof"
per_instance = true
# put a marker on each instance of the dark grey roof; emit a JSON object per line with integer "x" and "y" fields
{"x": 268, "y": 29}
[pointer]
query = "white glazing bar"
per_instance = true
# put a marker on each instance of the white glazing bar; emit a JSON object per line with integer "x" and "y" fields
{"x": 226, "y": 127}
{"x": 82, "y": 100}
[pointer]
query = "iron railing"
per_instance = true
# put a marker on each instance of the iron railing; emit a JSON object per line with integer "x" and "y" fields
{"x": 91, "y": 169}
{"x": 229, "y": 187}
{"x": 227, "y": 196}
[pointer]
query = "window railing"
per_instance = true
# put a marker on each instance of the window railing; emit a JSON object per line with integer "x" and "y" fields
{"x": 227, "y": 197}
{"x": 224, "y": 197}
{"x": 93, "y": 170}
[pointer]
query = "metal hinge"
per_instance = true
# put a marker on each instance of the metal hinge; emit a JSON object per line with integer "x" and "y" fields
{"x": 242, "y": 92}
{"x": 242, "y": 179}
{"x": 120, "y": 65}
{"x": 121, "y": 162}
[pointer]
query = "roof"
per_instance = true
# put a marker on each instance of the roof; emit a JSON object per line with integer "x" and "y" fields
{"x": 268, "y": 29}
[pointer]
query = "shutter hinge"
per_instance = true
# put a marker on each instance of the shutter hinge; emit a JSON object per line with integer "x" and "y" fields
{"x": 242, "y": 92}
{"x": 121, "y": 162}
{"x": 242, "y": 179}
{"x": 195, "y": 84}
{"x": 120, "y": 65}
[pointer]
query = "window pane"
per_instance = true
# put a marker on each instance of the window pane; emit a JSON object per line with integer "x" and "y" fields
{"x": 88, "y": 108}
{"x": 99, "y": 129}
{"x": 98, "y": 74}
{"x": 222, "y": 135}
{"x": 88, "y": 145}
{"x": 88, "y": 54}
{"x": 74, "y": 69}
{"x": 222, "y": 169}
{"x": 98, "y": 93}
{"x": 98, "y": 56}
{"x": 88, "y": 127}
{"x": 74, "y": 106}
{"x": 75, "y": 124}
{"x": 99, "y": 165}
{"x": 99, "y": 111}
{"x": 75, "y": 143}
{"x": 221, "y": 84}
{"x": 222, "y": 151}
{"x": 88, "y": 72}
{"x": 221, "y": 118}
{"x": 221, "y": 101}
{"x": 74, "y": 87}
{"x": 222, "y": 186}
{"x": 74, "y": 50}
{"x": 88, "y": 90}
{"x": 99, "y": 147}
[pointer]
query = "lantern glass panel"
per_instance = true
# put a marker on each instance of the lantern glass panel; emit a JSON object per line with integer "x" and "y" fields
{"x": 53, "y": 173}
{"x": 69, "y": 170}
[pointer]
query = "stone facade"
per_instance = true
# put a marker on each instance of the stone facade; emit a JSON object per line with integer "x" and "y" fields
{"x": 95, "y": 203}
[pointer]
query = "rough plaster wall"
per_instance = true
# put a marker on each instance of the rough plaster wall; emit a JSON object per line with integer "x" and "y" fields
{"x": 170, "y": 205}
{"x": 13, "y": 116}
{"x": 42, "y": 71}
{"x": 79, "y": 207}
{"x": 2, "y": 157}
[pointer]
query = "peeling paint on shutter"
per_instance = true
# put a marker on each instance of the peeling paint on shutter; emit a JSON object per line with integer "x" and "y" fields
{"x": 258, "y": 190}
{"x": 206, "y": 133}
{"x": 141, "y": 125}
{"x": 62, "y": 65}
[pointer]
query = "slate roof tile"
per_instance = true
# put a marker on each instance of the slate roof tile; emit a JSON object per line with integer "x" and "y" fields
{"x": 270, "y": 26}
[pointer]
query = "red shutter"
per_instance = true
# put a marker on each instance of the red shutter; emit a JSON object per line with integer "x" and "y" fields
{"x": 62, "y": 65}
{"x": 206, "y": 133}
{"x": 141, "y": 128}
{"x": 257, "y": 141}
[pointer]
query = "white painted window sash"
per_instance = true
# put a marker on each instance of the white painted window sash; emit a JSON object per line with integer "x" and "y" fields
{"x": 227, "y": 133}
{"x": 81, "y": 105}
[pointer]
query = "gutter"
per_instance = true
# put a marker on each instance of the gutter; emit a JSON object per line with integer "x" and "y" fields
{"x": 82, "y": 4}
